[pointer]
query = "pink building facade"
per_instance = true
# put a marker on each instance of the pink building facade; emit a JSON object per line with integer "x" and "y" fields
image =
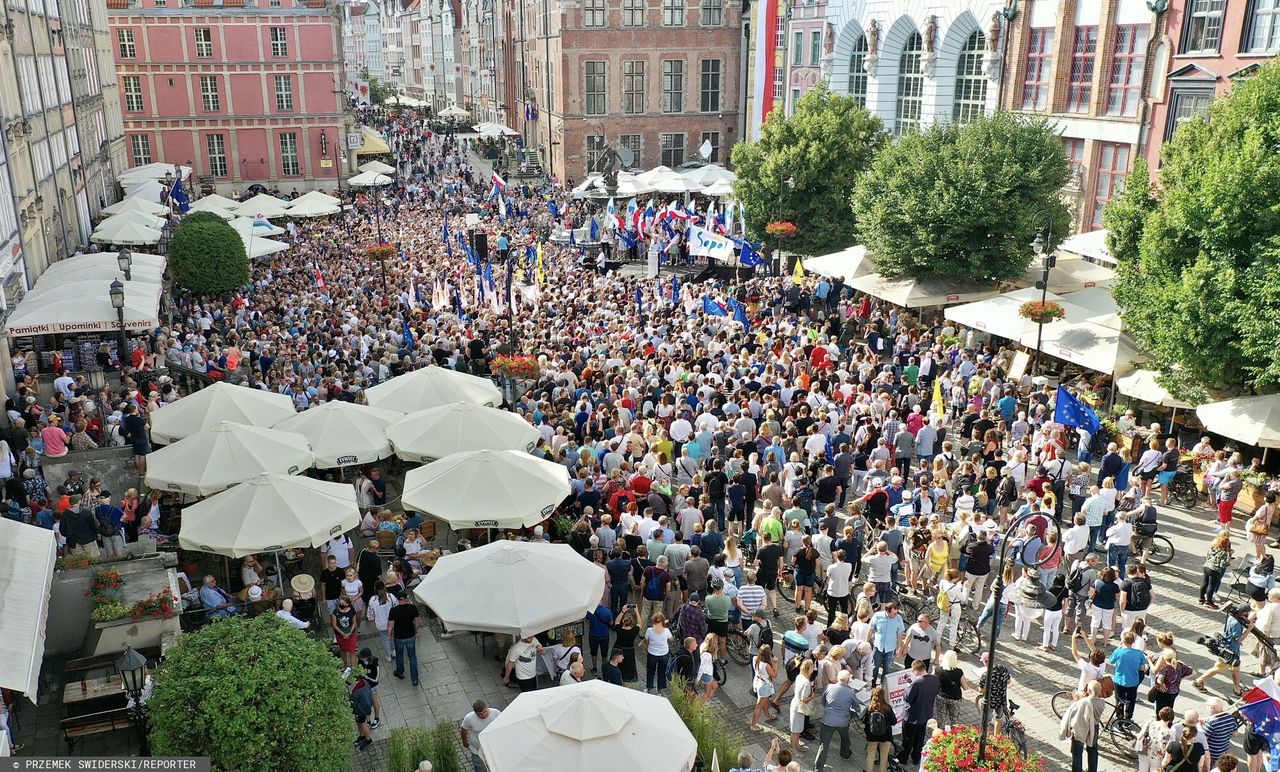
{"x": 243, "y": 92}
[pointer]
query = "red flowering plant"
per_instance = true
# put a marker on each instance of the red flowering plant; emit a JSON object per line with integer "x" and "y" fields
{"x": 379, "y": 251}
{"x": 1042, "y": 313}
{"x": 105, "y": 586}
{"x": 158, "y": 606}
{"x": 781, "y": 229}
{"x": 516, "y": 366}
{"x": 956, "y": 750}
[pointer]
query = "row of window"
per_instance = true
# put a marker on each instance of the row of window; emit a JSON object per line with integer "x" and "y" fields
{"x": 1124, "y": 82}
{"x": 595, "y": 13}
{"x": 672, "y": 148}
{"x": 216, "y": 153}
{"x": 43, "y": 82}
{"x": 1202, "y": 31}
{"x": 210, "y": 95}
{"x": 635, "y": 86}
{"x": 8, "y": 210}
{"x": 128, "y": 47}
{"x": 815, "y": 49}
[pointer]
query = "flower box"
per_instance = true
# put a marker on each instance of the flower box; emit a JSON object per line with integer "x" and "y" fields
{"x": 1041, "y": 312}
{"x": 781, "y": 229}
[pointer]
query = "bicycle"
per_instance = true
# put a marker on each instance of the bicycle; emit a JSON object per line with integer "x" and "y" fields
{"x": 1161, "y": 551}
{"x": 1122, "y": 731}
{"x": 1011, "y": 725}
{"x": 739, "y": 645}
{"x": 719, "y": 671}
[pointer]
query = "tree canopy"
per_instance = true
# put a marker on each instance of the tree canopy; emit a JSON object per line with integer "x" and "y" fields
{"x": 824, "y": 147}
{"x": 963, "y": 200}
{"x": 1199, "y": 259}
{"x": 207, "y": 255}
{"x": 252, "y": 694}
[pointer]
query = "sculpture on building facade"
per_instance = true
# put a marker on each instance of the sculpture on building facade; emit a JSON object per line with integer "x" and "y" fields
{"x": 873, "y": 47}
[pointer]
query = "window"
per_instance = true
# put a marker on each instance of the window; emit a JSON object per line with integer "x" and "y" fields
{"x": 673, "y": 13}
{"x": 595, "y": 149}
{"x": 858, "y": 71}
{"x": 797, "y": 49}
{"x": 633, "y": 86}
{"x": 44, "y": 165}
{"x": 141, "y": 146}
{"x": 910, "y": 86}
{"x": 58, "y": 149}
{"x": 778, "y": 77}
{"x": 815, "y": 49}
{"x": 124, "y": 38}
{"x": 284, "y": 92}
{"x": 971, "y": 84}
{"x": 8, "y": 212}
{"x": 672, "y": 150}
{"x": 1264, "y": 27}
{"x": 217, "y": 146}
{"x": 593, "y": 13}
{"x": 711, "y": 138}
{"x": 712, "y": 13}
{"x": 29, "y": 85}
{"x": 779, "y": 36}
{"x": 1185, "y": 106}
{"x": 204, "y": 42}
{"x": 289, "y": 164}
{"x": 1127, "y": 65}
{"x": 1113, "y": 166}
{"x": 633, "y": 13}
{"x": 1204, "y": 27}
{"x": 279, "y": 41}
{"x": 133, "y": 93}
{"x": 710, "y": 87}
{"x": 595, "y": 102}
{"x": 1073, "y": 147}
{"x": 1083, "y": 54}
{"x": 1035, "y": 85}
{"x": 672, "y": 85}
{"x": 209, "y": 99}
{"x": 631, "y": 142}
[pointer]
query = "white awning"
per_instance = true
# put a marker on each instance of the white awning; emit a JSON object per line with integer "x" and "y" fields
{"x": 918, "y": 293}
{"x": 103, "y": 265}
{"x": 1071, "y": 273}
{"x": 1092, "y": 244}
{"x": 73, "y": 297}
{"x": 844, "y": 265}
{"x": 1088, "y": 344}
{"x": 153, "y": 171}
{"x": 1000, "y": 315}
{"x": 27, "y": 554}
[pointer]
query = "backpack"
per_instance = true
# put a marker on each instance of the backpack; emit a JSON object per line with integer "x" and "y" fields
{"x": 653, "y": 586}
{"x": 1139, "y": 594}
{"x": 1075, "y": 579}
{"x": 877, "y": 723}
{"x": 944, "y": 601}
{"x": 766, "y": 635}
{"x": 952, "y": 465}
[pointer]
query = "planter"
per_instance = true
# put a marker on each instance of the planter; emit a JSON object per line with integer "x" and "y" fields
{"x": 1129, "y": 447}
{"x": 1251, "y": 497}
{"x": 1198, "y": 477}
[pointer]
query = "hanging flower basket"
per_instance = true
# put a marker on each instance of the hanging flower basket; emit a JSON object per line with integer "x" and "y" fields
{"x": 1041, "y": 313}
{"x": 379, "y": 251}
{"x": 781, "y": 229}
{"x": 957, "y": 751}
{"x": 518, "y": 366}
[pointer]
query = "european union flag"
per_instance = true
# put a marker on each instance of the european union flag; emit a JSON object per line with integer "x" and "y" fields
{"x": 595, "y": 230}
{"x": 750, "y": 255}
{"x": 740, "y": 314}
{"x": 709, "y": 306}
{"x": 530, "y": 255}
{"x": 1070, "y": 411}
{"x": 406, "y": 337}
{"x": 675, "y": 289}
{"x": 551, "y": 207}
{"x": 628, "y": 241}
{"x": 179, "y": 196}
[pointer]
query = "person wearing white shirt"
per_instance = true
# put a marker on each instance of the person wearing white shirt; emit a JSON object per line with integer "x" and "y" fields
{"x": 286, "y": 613}
{"x": 341, "y": 548}
{"x": 681, "y": 429}
{"x": 1074, "y": 540}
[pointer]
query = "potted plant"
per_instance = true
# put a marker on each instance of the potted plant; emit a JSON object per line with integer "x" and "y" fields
{"x": 105, "y": 586}
{"x": 1041, "y": 312}
{"x": 712, "y": 734}
{"x": 516, "y": 366}
{"x": 956, "y": 750}
{"x": 781, "y": 229}
{"x": 379, "y": 251}
{"x": 158, "y": 606}
{"x": 1253, "y": 492}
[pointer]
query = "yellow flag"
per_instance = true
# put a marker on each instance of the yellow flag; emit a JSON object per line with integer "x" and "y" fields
{"x": 797, "y": 275}
{"x": 542, "y": 276}
{"x": 938, "y": 407}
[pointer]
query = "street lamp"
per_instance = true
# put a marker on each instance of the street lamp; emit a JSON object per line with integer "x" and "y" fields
{"x": 1046, "y": 264}
{"x": 124, "y": 258}
{"x": 132, "y": 668}
{"x": 785, "y": 185}
{"x": 117, "y": 302}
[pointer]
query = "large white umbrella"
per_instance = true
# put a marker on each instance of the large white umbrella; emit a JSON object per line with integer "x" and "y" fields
{"x": 453, "y": 111}
{"x": 1141, "y": 384}
{"x": 313, "y": 208}
{"x": 591, "y": 725}
{"x": 269, "y": 513}
{"x": 369, "y": 180}
{"x": 460, "y": 426}
{"x": 707, "y": 174}
{"x": 223, "y": 455}
{"x": 314, "y": 195}
{"x": 205, "y": 205}
{"x": 718, "y": 189}
{"x": 1251, "y": 420}
{"x": 216, "y": 403}
{"x": 128, "y": 233}
{"x": 262, "y": 204}
{"x": 512, "y": 587}
{"x": 153, "y": 171}
{"x": 487, "y": 489}
{"x": 245, "y": 226}
{"x": 137, "y": 205}
{"x": 491, "y": 129}
{"x": 377, "y": 167}
{"x": 140, "y": 218}
{"x": 343, "y": 433}
{"x": 261, "y": 247}
{"x": 104, "y": 265}
{"x": 220, "y": 201}
{"x": 432, "y": 387}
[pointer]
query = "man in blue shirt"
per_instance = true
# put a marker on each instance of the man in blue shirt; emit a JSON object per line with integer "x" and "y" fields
{"x": 838, "y": 699}
{"x": 1008, "y": 405}
{"x": 887, "y": 628}
{"x": 1128, "y": 664}
{"x": 598, "y": 625}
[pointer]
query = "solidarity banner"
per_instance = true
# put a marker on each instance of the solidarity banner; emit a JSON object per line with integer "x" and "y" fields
{"x": 704, "y": 242}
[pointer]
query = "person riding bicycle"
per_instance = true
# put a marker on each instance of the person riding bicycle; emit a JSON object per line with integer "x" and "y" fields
{"x": 994, "y": 687}
{"x": 1145, "y": 525}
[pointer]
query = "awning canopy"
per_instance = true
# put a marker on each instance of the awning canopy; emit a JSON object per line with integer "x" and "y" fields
{"x": 491, "y": 129}
{"x": 1092, "y": 244}
{"x": 136, "y": 205}
{"x": 27, "y": 555}
{"x": 999, "y": 315}
{"x": 377, "y": 167}
{"x": 1070, "y": 274}
{"x": 73, "y": 296}
{"x": 918, "y": 293}
{"x": 152, "y": 171}
{"x": 707, "y": 174}
{"x": 843, "y": 265}
{"x": 1251, "y": 420}
{"x": 313, "y": 208}
{"x": 245, "y": 226}
{"x": 1142, "y": 384}
{"x": 262, "y": 204}
{"x": 216, "y": 207}
{"x": 124, "y": 218}
{"x": 129, "y": 234}
{"x": 370, "y": 180}
{"x": 104, "y": 266}
{"x": 372, "y": 143}
{"x": 453, "y": 111}
{"x": 1088, "y": 344}
{"x": 257, "y": 246}
{"x": 316, "y": 196}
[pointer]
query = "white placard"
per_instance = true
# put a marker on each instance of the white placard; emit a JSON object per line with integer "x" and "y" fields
{"x": 704, "y": 242}
{"x": 896, "y": 686}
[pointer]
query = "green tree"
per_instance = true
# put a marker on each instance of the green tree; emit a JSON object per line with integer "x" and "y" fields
{"x": 207, "y": 255}
{"x": 963, "y": 201}
{"x": 252, "y": 694}
{"x": 824, "y": 147}
{"x": 1199, "y": 261}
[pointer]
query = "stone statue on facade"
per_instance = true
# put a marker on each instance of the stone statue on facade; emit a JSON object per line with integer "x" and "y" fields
{"x": 991, "y": 61}
{"x": 930, "y": 40}
{"x": 828, "y": 51}
{"x": 873, "y": 47}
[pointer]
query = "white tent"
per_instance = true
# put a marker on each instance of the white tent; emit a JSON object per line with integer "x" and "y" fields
{"x": 269, "y": 513}
{"x": 1092, "y": 302}
{"x": 219, "y": 201}
{"x": 369, "y": 180}
{"x": 216, "y": 403}
{"x": 313, "y": 208}
{"x": 152, "y": 171}
{"x": 343, "y": 433}
{"x": 258, "y": 246}
{"x": 453, "y": 111}
{"x": 103, "y": 265}
{"x": 718, "y": 189}
{"x": 708, "y": 173}
{"x": 515, "y": 588}
{"x": 1070, "y": 274}
{"x": 85, "y": 307}
{"x": 656, "y": 173}
{"x": 205, "y": 205}
{"x": 1251, "y": 420}
{"x": 245, "y": 227}
{"x": 587, "y": 727}
{"x": 377, "y": 167}
{"x": 131, "y": 216}
{"x": 673, "y": 183}
{"x": 918, "y": 293}
{"x": 152, "y": 191}
{"x": 137, "y": 205}
{"x": 317, "y": 196}
{"x": 491, "y": 129}
{"x": 487, "y": 489}
{"x": 262, "y": 204}
{"x": 461, "y": 426}
{"x": 432, "y": 387}
{"x": 1142, "y": 384}
{"x": 1091, "y": 244}
{"x": 27, "y": 555}
{"x": 128, "y": 234}
{"x": 1088, "y": 344}
{"x": 223, "y": 455}
{"x": 843, "y": 265}
{"x": 999, "y": 315}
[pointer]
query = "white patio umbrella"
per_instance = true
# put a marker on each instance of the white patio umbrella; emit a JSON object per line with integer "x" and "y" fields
{"x": 269, "y": 513}
{"x": 128, "y": 233}
{"x": 217, "y": 403}
{"x": 262, "y": 204}
{"x": 1141, "y": 384}
{"x": 141, "y": 218}
{"x": 223, "y": 455}
{"x": 487, "y": 489}
{"x": 437, "y": 432}
{"x": 453, "y": 111}
{"x": 261, "y": 247}
{"x": 369, "y": 180}
{"x": 432, "y": 387}
{"x": 244, "y": 226}
{"x": 718, "y": 189}
{"x": 1251, "y": 420}
{"x": 313, "y": 208}
{"x": 512, "y": 587}
{"x": 491, "y": 129}
{"x": 343, "y": 433}
{"x": 205, "y": 205}
{"x": 152, "y": 171}
{"x": 314, "y": 195}
{"x": 220, "y": 201}
{"x": 104, "y": 265}
{"x": 708, "y": 173}
{"x": 377, "y": 167}
{"x": 590, "y": 725}
{"x": 137, "y": 205}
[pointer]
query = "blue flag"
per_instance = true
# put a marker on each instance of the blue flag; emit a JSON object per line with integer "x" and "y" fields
{"x": 551, "y": 207}
{"x": 750, "y": 254}
{"x": 178, "y": 195}
{"x": 675, "y": 289}
{"x": 595, "y": 230}
{"x": 1070, "y": 411}
{"x": 628, "y": 241}
{"x": 709, "y": 306}
{"x": 457, "y": 302}
{"x": 530, "y": 255}
{"x": 740, "y": 314}
{"x": 406, "y": 337}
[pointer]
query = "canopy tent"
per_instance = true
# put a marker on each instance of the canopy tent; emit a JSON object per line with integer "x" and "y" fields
{"x": 461, "y": 426}
{"x": 313, "y": 208}
{"x": 918, "y": 293}
{"x": 84, "y": 306}
{"x": 1251, "y": 420}
{"x": 843, "y": 265}
{"x": 1095, "y": 302}
{"x": 138, "y": 218}
{"x": 1142, "y": 384}
{"x": 269, "y": 513}
{"x": 453, "y": 111}
{"x": 432, "y": 387}
{"x": 214, "y": 404}
{"x": 262, "y": 204}
{"x": 718, "y": 189}
{"x": 675, "y": 184}
{"x": 245, "y": 226}
{"x": 213, "y": 207}
{"x": 491, "y": 129}
{"x": 514, "y": 588}
{"x": 586, "y": 727}
{"x": 137, "y": 205}
{"x": 104, "y": 266}
{"x": 224, "y": 455}
{"x": 152, "y": 171}
{"x": 657, "y": 172}
{"x": 128, "y": 234}
{"x": 1091, "y": 244}
{"x": 152, "y": 191}
{"x": 372, "y": 143}
{"x": 343, "y": 433}
{"x": 629, "y": 186}
{"x": 261, "y": 247}
{"x": 487, "y": 489}
{"x": 1069, "y": 274}
{"x": 27, "y": 556}
{"x": 377, "y": 167}
{"x": 408, "y": 101}
{"x": 708, "y": 173}
{"x": 222, "y": 202}
{"x": 1000, "y": 315}
{"x": 1088, "y": 344}
{"x": 369, "y": 180}
{"x": 317, "y": 196}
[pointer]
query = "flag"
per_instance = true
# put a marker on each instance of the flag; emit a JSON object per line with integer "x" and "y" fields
{"x": 499, "y": 183}
{"x": 406, "y": 337}
{"x": 319, "y": 278}
{"x": 639, "y": 300}
{"x": 628, "y": 241}
{"x": 594, "y": 231}
{"x": 830, "y": 456}
{"x": 675, "y": 289}
{"x": 457, "y": 302}
{"x": 573, "y": 238}
{"x": 939, "y": 407}
{"x": 742, "y": 217}
{"x": 797, "y": 276}
{"x": 260, "y": 221}
{"x": 633, "y": 212}
{"x": 727, "y": 218}
{"x": 740, "y": 315}
{"x": 1262, "y": 709}
{"x": 551, "y": 207}
{"x": 649, "y": 215}
{"x": 502, "y": 208}
{"x": 178, "y": 196}
{"x": 612, "y": 211}
{"x": 710, "y": 306}
{"x": 750, "y": 257}
{"x": 1070, "y": 411}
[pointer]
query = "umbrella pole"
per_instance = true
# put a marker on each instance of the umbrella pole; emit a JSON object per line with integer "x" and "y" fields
{"x": 279, "y": 573}
{"x": 1172, "y": 415}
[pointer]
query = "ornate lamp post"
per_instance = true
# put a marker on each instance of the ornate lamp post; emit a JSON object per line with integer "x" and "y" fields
{"x": 117, "y": 302}
{"x": 132, "y": 668}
